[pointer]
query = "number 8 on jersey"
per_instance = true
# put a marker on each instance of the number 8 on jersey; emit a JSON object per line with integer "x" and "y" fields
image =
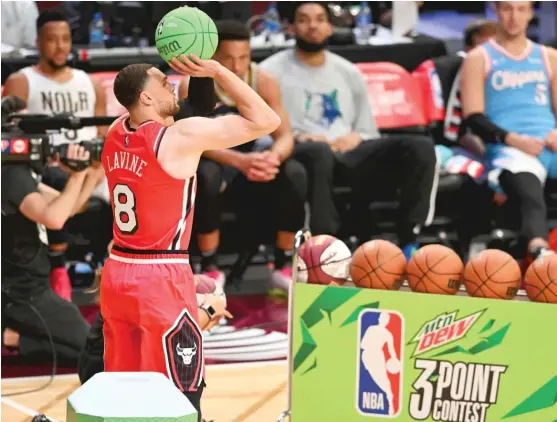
{"x": 125, "y": 216}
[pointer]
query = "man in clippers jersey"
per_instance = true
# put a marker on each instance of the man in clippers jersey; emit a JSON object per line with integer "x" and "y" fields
{"x": 509, "y": 97}
{"x": 148, "y": 300}
{"x": 53, "y": 87}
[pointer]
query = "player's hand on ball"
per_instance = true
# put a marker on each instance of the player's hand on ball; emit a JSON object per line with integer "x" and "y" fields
{"x": 194, "y": 66}
{"x": 551, "y": 140}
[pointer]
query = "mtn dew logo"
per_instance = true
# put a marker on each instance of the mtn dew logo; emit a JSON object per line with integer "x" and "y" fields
{"x": 442, "y": 330}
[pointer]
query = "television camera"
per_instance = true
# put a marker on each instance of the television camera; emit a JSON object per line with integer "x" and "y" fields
{"x": 28, "y": 138}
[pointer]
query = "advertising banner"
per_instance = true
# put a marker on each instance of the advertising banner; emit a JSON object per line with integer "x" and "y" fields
{"x": 361, "y": 354}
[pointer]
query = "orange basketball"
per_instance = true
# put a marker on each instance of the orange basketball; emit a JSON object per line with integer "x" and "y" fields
{"x": 540, "y": 280}
{"x": 435, "y": 269}
{"x": 378, "y": 264}
{"x": 492, "y": 274}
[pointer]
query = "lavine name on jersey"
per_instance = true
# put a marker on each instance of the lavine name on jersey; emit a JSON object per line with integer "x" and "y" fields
{"x": 462, "y": 392}
{"x": 125, "y": 160}
{"x": 442, "y": 330}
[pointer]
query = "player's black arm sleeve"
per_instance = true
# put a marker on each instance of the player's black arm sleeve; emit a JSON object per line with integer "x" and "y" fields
{"x": 488, "y": 131}
{"x": 201, "y": 99}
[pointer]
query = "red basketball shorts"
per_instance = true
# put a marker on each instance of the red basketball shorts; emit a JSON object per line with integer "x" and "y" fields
{"x": 149, "y": 308}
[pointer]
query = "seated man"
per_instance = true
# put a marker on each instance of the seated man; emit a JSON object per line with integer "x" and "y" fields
{"x": 326, "y": 98}
{"x": 261, "y": 177}
{"x": 509, "y": 97}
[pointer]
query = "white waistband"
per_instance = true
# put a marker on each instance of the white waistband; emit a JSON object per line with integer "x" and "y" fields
{"x": 148, "y": 260}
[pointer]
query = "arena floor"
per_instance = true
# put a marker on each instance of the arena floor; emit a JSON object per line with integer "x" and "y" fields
{"x": 247, "y": 392}
{"x": 246, "y": 371}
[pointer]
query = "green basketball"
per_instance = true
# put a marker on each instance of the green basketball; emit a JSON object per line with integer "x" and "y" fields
{"x": 186, "y": 30}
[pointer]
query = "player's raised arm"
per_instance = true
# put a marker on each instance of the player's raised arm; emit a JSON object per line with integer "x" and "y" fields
{"x": 197, "y": 134}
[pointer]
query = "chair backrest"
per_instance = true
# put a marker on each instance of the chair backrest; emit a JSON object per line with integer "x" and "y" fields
{"x": 440, "y": 81}
{"x": 432, "y": 92}
{"x": 114, "y": 108}
{"x": 396, "y": 98}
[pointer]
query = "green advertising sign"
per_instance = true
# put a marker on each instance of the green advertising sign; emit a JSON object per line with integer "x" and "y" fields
{"x": 361, "y": 354}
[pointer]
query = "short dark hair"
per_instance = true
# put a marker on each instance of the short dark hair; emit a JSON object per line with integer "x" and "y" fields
{"x": 129, "y": 83}
{"x": 50, "y": 16}
{"x": 232, "y": 30}
{"x": 298, "y": 4}
{"x": 478, "y": 27}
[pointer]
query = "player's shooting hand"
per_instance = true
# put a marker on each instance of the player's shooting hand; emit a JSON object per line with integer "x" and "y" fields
{"x": 194, "y": 66}
{"x": 346, "y": 143}
{"x": 551, "y": 140}
{"x": 528, "y": 144}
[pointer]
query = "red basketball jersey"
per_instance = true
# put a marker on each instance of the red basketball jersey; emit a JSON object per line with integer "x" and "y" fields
{"x": 152, "y": 210}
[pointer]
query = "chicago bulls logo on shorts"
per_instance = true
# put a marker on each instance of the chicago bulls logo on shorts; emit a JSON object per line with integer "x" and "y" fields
{"x": 183, "y": 350}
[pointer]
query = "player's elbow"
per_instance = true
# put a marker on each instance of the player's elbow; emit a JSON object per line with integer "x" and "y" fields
{"x": 269, "y": 122}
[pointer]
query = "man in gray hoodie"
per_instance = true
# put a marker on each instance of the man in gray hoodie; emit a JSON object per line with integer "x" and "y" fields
{"x": 336, "y": 137}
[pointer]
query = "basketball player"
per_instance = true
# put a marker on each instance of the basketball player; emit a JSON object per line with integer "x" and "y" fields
{"x": 53, "y": 87}
{"x": 373, "y": 357}
{"x": 259, "y": 175}
{"x": 509, "y": 97}
{"x": 148, "y": 300}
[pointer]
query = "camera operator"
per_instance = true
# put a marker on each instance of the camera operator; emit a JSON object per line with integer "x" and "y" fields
{"x": 34, "y": 318}
{"x": 53, "y": 87}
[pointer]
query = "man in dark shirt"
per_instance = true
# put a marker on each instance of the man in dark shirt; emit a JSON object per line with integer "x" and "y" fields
{"x": 34, "y": 318}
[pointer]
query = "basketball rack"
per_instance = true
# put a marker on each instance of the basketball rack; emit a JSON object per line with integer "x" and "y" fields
{"x": 302, "y": 236}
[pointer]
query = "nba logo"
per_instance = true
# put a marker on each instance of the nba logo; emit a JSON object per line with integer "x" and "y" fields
{"x": 380, "y": 356}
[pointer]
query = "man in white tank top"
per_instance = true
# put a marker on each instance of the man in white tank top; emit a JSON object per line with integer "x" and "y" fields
{"x": 53, "y": 87}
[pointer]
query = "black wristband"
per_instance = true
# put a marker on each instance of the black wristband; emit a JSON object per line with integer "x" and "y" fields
{"x": 206, "y": 311}
{"x": 201, "y": 95}
{"x": 488, "y": 131}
